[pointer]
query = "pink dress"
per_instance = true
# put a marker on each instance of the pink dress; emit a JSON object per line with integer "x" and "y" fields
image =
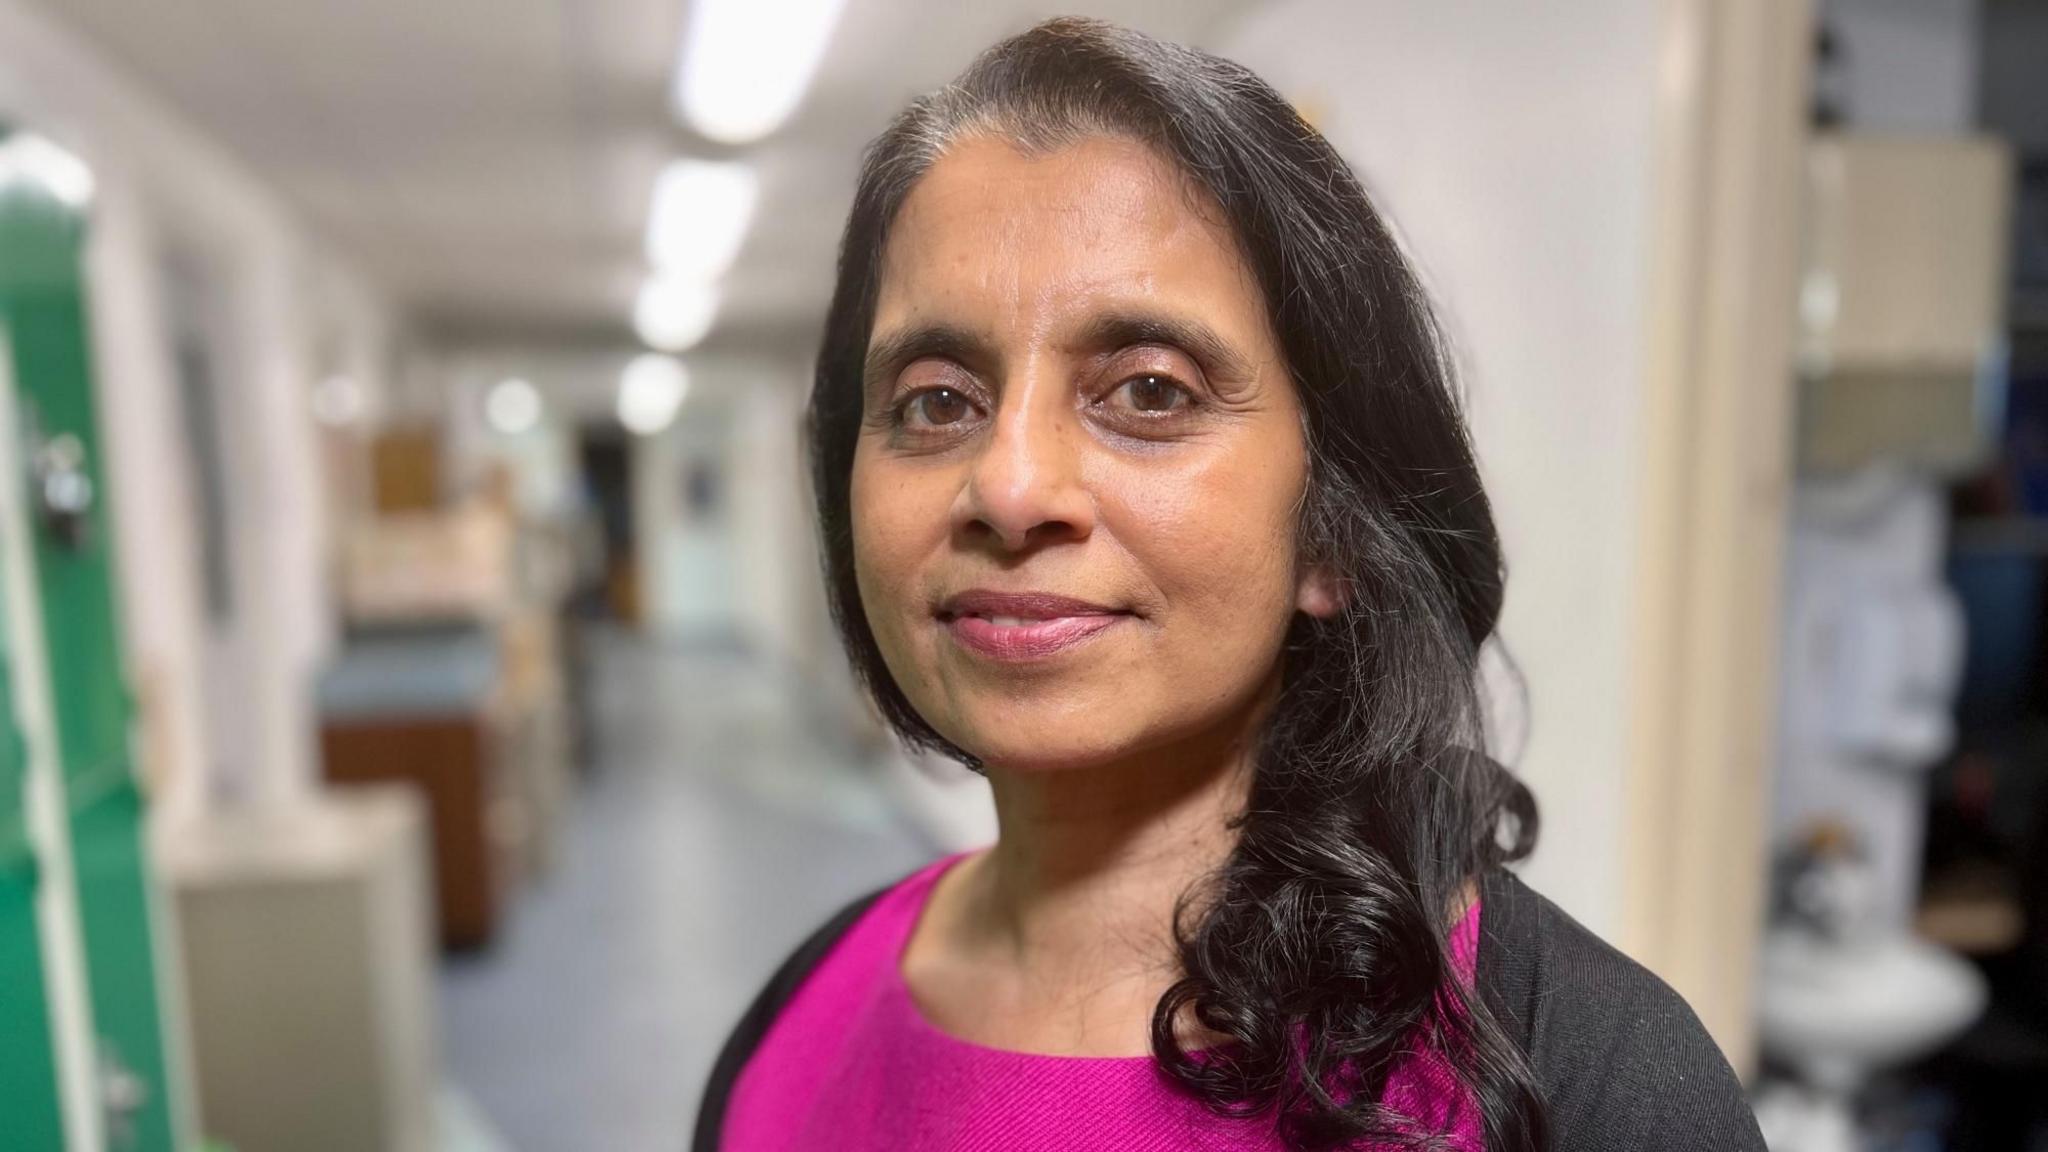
{"x": 851, "y": 1065}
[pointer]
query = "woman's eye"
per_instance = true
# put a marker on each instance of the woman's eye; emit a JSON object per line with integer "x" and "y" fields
{"x": 1152, "y": 394}
{"x": 937, "y": 408}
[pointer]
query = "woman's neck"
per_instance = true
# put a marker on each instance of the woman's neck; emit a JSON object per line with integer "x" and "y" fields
{"x": 1092, "y": 863}
{"x": 1059, "y": 938}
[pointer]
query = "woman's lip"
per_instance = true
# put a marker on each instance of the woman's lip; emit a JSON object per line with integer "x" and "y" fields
{"x": 986, "y": 602}
{"x": 1028, "y": 639}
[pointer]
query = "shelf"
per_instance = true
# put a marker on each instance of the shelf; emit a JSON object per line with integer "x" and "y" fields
{"x": 2017, "y": 535}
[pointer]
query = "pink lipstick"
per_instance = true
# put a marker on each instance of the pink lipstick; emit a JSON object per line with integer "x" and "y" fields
{"x": 1021, "y": 626}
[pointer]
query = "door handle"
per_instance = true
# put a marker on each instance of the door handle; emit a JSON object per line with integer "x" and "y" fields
{"x": 123, "y": 1096}
{"x": 63, "y": 489}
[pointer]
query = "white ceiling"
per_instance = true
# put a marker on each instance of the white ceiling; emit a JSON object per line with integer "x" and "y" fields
{"x": 488, "y": 162}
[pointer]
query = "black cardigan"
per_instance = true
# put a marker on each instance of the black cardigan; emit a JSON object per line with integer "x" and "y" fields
{"x": 1621, "y": 1059}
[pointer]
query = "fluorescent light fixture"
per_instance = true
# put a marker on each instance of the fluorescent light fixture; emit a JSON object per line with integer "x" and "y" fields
{"x": 674, "y": 312}
{"x": 26, "y": 158}
{"x": 339, "y": 401}
{"x": 746, "y": 63}
{"x": 651, "y": 392}
{"x": 698, "y": 217}
{"x": 512, "y": 407}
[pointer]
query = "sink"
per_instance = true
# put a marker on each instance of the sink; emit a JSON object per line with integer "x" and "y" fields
{"x": 1839, "y": 1010}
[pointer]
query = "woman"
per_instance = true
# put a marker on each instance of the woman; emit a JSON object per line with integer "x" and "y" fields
{"x": 1144, "y": 489}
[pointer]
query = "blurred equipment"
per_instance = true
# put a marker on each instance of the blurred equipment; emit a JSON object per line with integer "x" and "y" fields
{"x": 310, "y": 962}
{"x": 450, "y": 680}
{"x": 1902, "y": 348}
{"x": 414, "y": 708}
{"x": 406, "y": 469}
{"x": 1872, "y": 660}
{"x": 1871, "y": 664}
{"x": 426, "y": 566}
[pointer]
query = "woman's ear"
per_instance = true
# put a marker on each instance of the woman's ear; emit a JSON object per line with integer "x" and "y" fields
{"x": 1319, "y": 592}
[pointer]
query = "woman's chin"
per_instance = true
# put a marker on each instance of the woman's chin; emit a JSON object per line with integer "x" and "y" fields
{"x": 1038, "y": 759}
{"x": 1019, "y": 735}
{"x": 1023, "y": 750}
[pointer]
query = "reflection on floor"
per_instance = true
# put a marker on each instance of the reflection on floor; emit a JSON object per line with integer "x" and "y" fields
{"x": 458, "y": 1127}
{"x": 716, "y": 830}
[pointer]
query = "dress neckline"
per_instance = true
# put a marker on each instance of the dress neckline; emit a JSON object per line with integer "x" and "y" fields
{"x": 917, "y": 891}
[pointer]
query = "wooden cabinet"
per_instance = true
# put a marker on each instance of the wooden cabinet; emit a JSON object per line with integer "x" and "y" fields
{"x": 446, "y": 760}
{"x": 417, "y": 707}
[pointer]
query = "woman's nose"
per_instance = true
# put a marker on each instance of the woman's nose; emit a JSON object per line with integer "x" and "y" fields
{"x": 1025, "y": 488}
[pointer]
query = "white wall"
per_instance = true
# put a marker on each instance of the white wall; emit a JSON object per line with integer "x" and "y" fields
{"x": 689, "y": 580}
{"x": 1512, "y": 147}
{"x": 289, "y": 313}
{"x": 749, "y": 568}
{"x": 780, "y": 603}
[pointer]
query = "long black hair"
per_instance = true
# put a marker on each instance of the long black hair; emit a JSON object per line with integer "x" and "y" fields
{"x": 1318, "y": 951}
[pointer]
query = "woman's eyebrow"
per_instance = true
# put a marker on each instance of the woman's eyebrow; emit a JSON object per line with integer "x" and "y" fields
{"x": 1112, "y": 331}
{"x": 1107, "y": 332}
{"x": 888, "y": 354}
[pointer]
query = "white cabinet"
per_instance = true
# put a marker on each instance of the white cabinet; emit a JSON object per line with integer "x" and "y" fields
{"x": 1902, "y": 307}
{"x": 308, "y": 953}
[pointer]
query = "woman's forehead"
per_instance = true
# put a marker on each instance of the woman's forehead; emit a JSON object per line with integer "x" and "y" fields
{"x": 1004, "y": 237}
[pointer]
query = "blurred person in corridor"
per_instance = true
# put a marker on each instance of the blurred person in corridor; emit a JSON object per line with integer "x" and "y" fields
{"x": 1145, "y": 490}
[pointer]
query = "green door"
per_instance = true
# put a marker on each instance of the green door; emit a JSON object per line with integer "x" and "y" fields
{"x": 42, "y": 305}
{"x": 34, "y": 1120}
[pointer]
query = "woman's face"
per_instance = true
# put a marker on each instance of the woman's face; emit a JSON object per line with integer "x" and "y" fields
{"x": 1080, "y": 463}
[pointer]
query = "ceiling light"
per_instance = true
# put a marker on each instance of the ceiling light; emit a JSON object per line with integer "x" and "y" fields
{"x": 26, "y": 158}
{"x": 674, "y": 312}
{"x": 746, "y": 63}
{"x": 512, "y": 407}
{"x": 339, "y": 401}
{"x": 699, "y": 217}
{"x": 651, "y": 392}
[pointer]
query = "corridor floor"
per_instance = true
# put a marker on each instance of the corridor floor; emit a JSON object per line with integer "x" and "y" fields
{"x": 714, "y": 832}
